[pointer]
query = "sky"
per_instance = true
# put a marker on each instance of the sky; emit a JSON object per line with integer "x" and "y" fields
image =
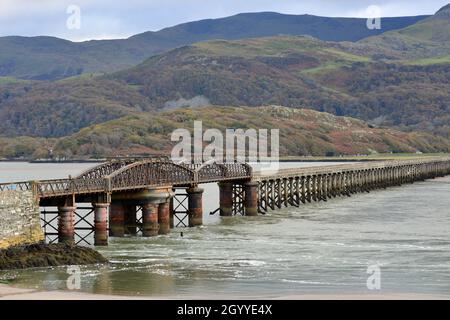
{"x": 80, "y": 20}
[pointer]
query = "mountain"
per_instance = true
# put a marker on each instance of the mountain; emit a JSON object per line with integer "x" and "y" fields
{"x": 264, "y": 24}
{"x": 405, "y": 93}
{"x": 296, "y": 72}
{"x": 55, "y": 109}
{"x": 427, "y": 38}
{"x": 49, "y": 58}
{"x": 244, "y": 72}
{"x": 302, "y": 132}
{"x": 300, "y": 72}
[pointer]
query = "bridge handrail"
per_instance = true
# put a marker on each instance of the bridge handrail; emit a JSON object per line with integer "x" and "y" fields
{"x": 346, "y": 167}
{"x": 168, "y": 172}
{"x": 57, "y": 187}
{"x": 223, "y": 171}
{"x": 104, "y": 169}
{"x": 129, "y": 177}
{"x": 13, "y": 186}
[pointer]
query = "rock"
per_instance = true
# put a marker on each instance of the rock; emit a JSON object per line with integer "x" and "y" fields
{"x": 48, "y": 255}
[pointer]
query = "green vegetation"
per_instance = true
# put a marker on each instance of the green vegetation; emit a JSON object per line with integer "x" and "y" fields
{"x": 389, "y": 84}
{"x": 298, "y": 72}
{"x": 48, "y": 255}
{"x": 370, "y": 157}
{"x": 25, "y": 147}
{"x": 429, "y": 61}
{"x": 426, "y": 38}
{"x": 302, "y": 133}
{"x": 8, "y": 80}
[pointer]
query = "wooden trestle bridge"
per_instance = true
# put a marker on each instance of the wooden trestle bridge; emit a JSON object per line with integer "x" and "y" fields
{"x": 167, "y": 194}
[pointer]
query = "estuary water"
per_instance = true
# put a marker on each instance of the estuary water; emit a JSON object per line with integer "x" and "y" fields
{"x": 319, "y": 248}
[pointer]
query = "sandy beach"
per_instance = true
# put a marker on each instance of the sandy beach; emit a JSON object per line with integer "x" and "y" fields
{"x": 12, "y": 293}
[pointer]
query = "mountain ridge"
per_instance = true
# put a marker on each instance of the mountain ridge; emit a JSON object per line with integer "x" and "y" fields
{"x": 429, "y": 37}
{"x": 381, "y": 86}
{"x": 50, "y": 58}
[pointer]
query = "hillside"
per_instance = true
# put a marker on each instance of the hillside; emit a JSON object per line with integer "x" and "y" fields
{"x": 291, "y": 71}
{"x": 300, "y": 72}
{"x": 302, "y": 132}
{"x": 429, "y": 37}
{"x": 49, "y": 58}
{"x": 410, "y": 94}
{"x": 55, "y": 109}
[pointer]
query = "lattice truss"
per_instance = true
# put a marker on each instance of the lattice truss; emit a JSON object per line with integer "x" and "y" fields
{"x": 83, "y": 225}
{"x": 179, "y": 207}
{"x": 238, "y": 200}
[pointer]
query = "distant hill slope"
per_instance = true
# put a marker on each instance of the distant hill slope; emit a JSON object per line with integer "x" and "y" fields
{"x": 410, "y": 94}
{"x": 429, "y": 37}
{"x": 302, "y": 132}
{"x": 292, "y": 71}
{"x": 300, "y": 72}
{"x": 48, "y": 58}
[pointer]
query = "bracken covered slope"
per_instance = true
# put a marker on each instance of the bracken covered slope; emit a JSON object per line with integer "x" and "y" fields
{"x": 302, "y": 132}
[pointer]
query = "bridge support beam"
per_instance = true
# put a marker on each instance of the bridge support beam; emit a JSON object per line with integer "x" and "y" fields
{"x": 117, "y": 219}
{"x": 226, "y": 198}
{"x": 155, "y": 204}
{"x": 100, "y": 224}
{"x": 172, "y": 211}
{"x": 150, "y": 226}
{"x": 251, "y": 198}
{"x": 195, "y": 206}
{"x": 66, "y": 224}
{"x": 164, "y": 218}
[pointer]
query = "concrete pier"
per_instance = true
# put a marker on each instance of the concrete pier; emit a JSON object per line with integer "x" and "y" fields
{"x": 66, "y": 224}
{"x": 150, "y": 225}
{"x": 226, "y": 198}
{"x": 172, "y": 211}
{"x": 100, "y": 224}
{"x": 195, "y": 206}
{"x": 164, "y": 218}
{"x": 251, "y": 198}
{"x": 155, "y": 207}
{"x": 117, "y": 219}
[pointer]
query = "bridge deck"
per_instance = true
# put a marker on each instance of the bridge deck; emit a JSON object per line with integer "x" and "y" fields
{"x": 319, "y": 170}
{"x": 122, "y": 175}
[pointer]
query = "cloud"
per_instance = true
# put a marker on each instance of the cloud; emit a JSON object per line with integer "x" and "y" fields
{"x": 17, "y": 8}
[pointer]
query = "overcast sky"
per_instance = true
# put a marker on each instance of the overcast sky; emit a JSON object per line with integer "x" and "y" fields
{"x": 107, "y": 19}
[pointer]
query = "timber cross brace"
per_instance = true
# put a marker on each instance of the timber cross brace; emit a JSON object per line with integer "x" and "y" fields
{"x": 151, "y": 196}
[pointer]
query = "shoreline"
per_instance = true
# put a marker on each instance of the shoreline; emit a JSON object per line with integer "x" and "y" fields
{"x": 335, "y": 158}
{"x": 9, "y": 292}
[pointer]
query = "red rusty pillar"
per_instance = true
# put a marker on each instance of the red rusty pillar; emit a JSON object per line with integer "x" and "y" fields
{"x": 251, "y": 198}
{"x": 164, "y": 218}
{"x": 116, "y": 220}
{"x": 195, "y": 206}
{"x": 171, "y": 213}
{"x": 66, "y": 224}
{"x": 150, "y": 224}
{"x": 226, "y": 198}
{"x": 100, "y": 224}
{"x": 155, "y": 210}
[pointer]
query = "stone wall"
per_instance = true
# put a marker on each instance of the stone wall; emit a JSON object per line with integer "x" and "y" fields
{"x": 19, "y": 219}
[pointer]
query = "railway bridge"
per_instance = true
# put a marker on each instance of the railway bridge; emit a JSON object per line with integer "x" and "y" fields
{"x": 167, "y": 194}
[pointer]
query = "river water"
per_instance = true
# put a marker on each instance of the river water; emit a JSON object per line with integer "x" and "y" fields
{"x": 324, "y": 247}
